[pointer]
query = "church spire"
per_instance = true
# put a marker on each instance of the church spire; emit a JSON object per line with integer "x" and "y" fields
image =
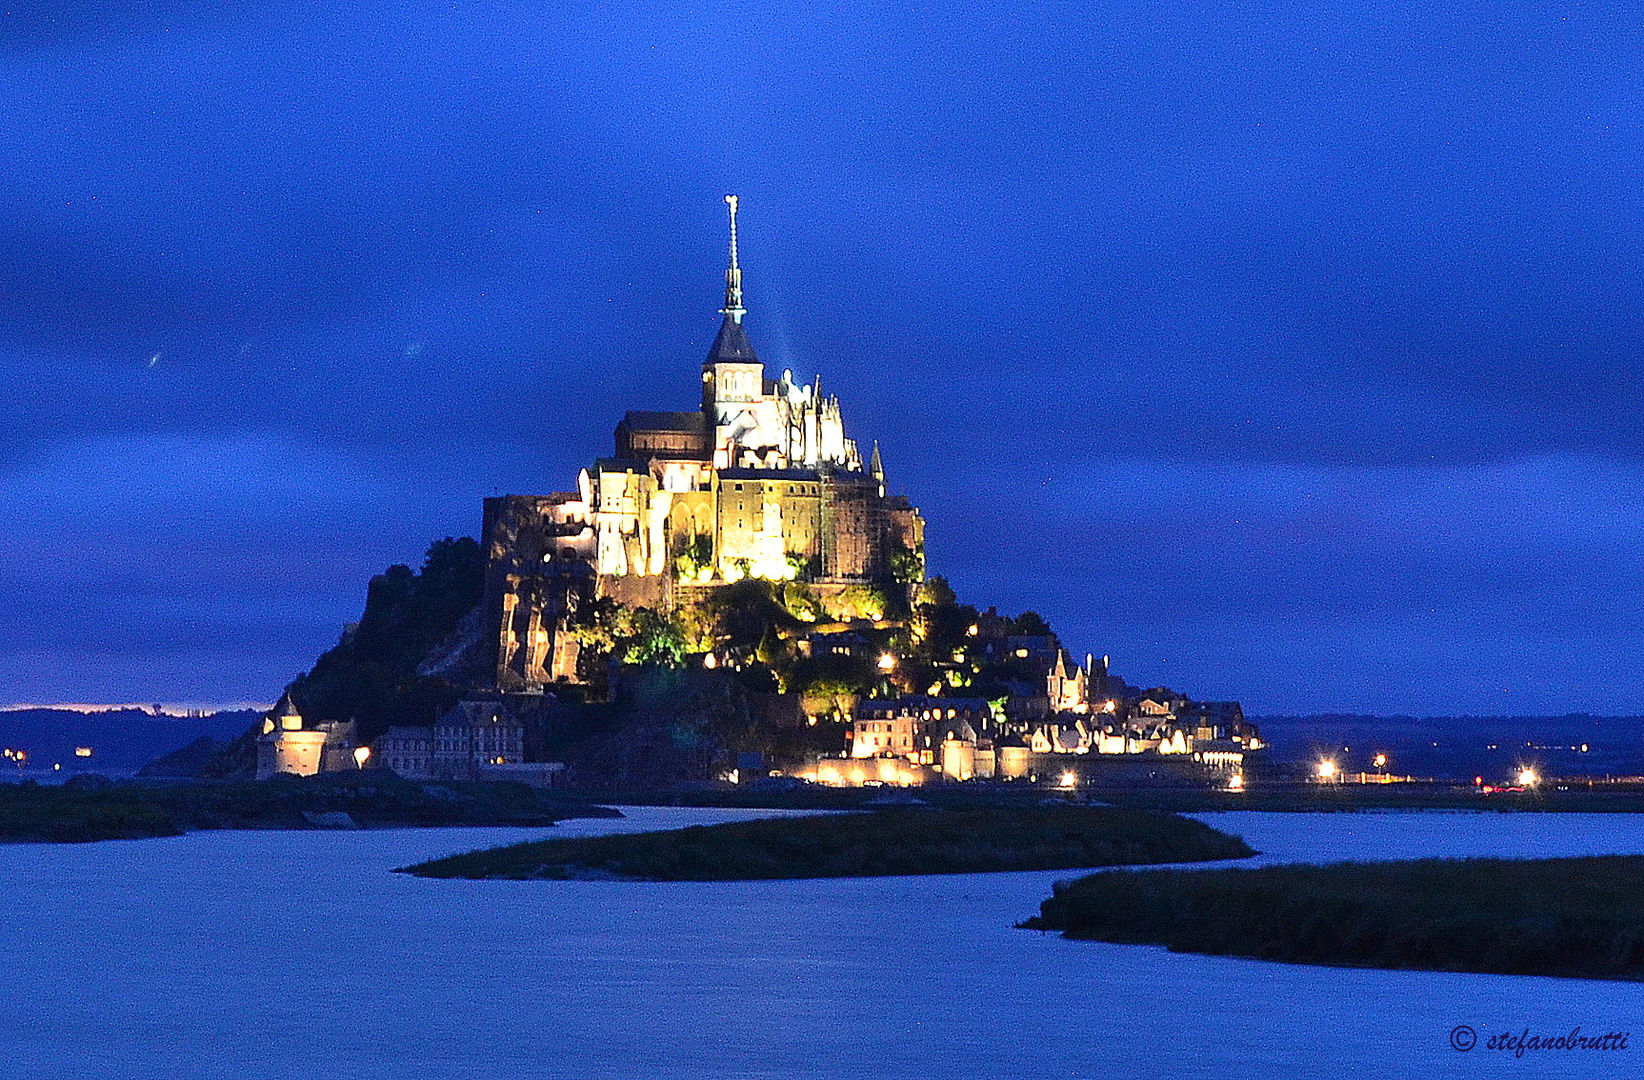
{"x": 733, "y": 308}
{"x": 731, "y": 346}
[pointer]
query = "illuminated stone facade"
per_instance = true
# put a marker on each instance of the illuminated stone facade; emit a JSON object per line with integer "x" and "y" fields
{"x": 915, "y": 740}
{"x": 287, "y": 744}
{"x": 760, "y": 481}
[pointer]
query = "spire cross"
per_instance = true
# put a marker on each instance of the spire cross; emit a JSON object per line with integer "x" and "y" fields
{"x": 733, "y": 308}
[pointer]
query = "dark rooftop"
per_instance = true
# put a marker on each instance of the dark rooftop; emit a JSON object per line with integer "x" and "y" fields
{"x": 692, "y": 422}
{"x": 731, "y": 346}
{"x": 769, "y": 474}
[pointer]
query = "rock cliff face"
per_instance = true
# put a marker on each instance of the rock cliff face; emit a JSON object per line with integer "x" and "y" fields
{"x": 467, "y": 657}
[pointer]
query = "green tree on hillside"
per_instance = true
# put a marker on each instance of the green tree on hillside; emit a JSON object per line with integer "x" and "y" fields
{"x": 1030, "y": 623}
{"x": 907, "y": 565}
{"x": 631, "y": 635}
{"x": 744, "y": 611}
{"x": 371, "y": 674}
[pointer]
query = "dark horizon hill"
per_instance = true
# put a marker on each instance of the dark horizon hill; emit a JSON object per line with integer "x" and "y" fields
{"x": 122, "y": 740}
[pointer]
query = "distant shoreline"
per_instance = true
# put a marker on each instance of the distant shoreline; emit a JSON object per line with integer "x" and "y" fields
{"x": 189, "y": 710}
{"x": 87, "y": 809}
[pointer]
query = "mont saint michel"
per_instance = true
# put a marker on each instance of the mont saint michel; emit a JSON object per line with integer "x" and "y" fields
{"x": 735, "y": 595}
{"x": 760, "y": 482}
{"x": 1123, "y": 436}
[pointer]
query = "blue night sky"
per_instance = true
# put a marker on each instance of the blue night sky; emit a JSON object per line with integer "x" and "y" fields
{"x": 1287, "y": 352}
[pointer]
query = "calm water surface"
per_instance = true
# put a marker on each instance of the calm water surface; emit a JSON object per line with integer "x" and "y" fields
{"x": 297, "y": 954}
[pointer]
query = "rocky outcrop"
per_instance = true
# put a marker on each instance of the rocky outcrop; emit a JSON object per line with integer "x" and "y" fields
{"x": 185, "y": 761}
{"x": 467, "y": 657}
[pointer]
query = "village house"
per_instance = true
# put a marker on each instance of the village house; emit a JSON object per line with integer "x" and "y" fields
{"x": 474, "y": 735}
{"x": 408, "y": 751}
{"x": 917, "y": 739}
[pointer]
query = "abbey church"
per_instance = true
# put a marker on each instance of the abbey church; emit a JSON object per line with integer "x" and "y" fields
{"x": 760, "y": 481}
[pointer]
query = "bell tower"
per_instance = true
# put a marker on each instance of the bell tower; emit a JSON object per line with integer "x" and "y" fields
{"x": 732, "y": 375}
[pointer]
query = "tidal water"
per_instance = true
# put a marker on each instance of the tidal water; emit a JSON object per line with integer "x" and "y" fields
{"x": 298, "y": 954}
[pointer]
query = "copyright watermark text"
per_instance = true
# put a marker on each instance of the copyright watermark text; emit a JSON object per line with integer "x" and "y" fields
{"x": 1464, "y": 1038}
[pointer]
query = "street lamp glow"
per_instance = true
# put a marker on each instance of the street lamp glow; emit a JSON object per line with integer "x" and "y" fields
{"x": 362, "y": 754}
{"x": 1327, "y": 769}
{"x": 1236, "y": 782}
{"x": 1528, "y": 778}
{"x": 887, "y": 662}
{"x": 1381, "y": 761}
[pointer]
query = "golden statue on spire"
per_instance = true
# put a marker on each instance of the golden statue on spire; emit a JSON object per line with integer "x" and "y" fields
{"x": 733, "y": 274}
